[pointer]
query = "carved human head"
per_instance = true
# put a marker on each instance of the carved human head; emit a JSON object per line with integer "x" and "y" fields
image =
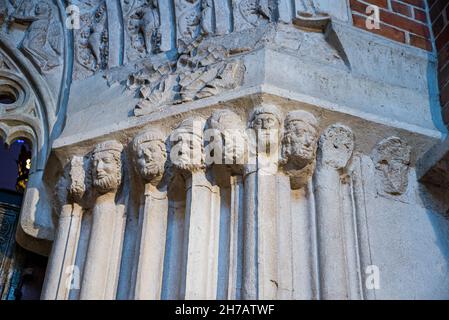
{"x": 300, "y": 139}
{"x": 187, "y": 152}
{"x": 266, "y": 122}
{"x": 77, "y": 177}
{"x": 336, "y": 146}
{"x": 151, "y": 155}
{"x": 231, "y": 129}
{"x": 107, "y": 166}
{"x": 42, "y": 8}
{"x": 391, "y": 158}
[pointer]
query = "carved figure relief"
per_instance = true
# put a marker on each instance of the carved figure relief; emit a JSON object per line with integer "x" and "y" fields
{"x": 187, "y": 151}
{"x": 142, "y": 22}
{"x": 188, "y": 15}
{"x": 107, "y": 166}
{"x": 251, "y": 13}
{"x": 231, "y": 145}
{"x": 42, "y": 42}
{"x": 299, "y": 146}
{"x": 150, "y": 155}
{"x": 336, "y": 146}
{"x": 91, "y": 41}
{"x": 391, "y": 158}
{"x": 266, "y": 122}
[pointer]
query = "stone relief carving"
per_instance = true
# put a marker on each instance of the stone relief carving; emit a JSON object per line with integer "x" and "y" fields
{"x": 150, "y": 155}
{"x": 107, "y": 166}
{"x": 299, "y": 146}
{"x": 188, "y": 15}
{"x": 229, "y": 140}
{"x": 187, "y": 149}
{"x": 267, "y": 124}
{"x": 91, "y": 41}
{"x": 336, "y": 146}
{"x": 251, "y": 13}
{"x": 43, "y": 38}
{"x": 198, "y": 74}
{"x": 142, "y": 24}
{"x": 391, "y": 158}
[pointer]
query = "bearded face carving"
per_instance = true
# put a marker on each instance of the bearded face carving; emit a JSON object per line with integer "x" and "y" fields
{"x": 151, "y": 155}
{"x": 392, "y": 161}
{"x": 107, "y": 167}
{"x": 300, "y": 139}
{"x": 187, "y": 152}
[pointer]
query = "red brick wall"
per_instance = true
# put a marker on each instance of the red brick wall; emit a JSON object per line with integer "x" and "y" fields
{"x": 439, "y": 15}
{"x": 400, "y": 20}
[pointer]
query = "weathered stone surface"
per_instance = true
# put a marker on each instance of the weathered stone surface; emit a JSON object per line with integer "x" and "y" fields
{"x": 290, "y": 188}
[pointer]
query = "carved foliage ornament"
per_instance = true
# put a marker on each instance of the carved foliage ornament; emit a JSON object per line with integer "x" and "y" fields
{"x": 198, "y": 74}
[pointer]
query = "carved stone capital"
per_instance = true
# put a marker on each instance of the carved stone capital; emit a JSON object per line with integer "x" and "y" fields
{"x": 107, "y": 166}
{"x": 391, "y": 159}
{"x": 150, "y": 155}
{"x": 336, "y": 146}
{"x": 187, "y": 148}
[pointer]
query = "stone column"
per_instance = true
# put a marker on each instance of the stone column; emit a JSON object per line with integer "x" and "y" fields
{"x": 299, "y": 145}
{"x": 335, "y": 150}
{"x": 151, "y": 155}
{"x": 225, "y": 152}
{"x": 260, "y": 275}
{"x": 202, "y": 212}
{"x": 61, "y": 267}
{"x": 107, "y": 177}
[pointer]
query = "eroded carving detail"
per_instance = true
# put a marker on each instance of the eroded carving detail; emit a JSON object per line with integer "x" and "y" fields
{"x": 43, "y": 39}
{"x": 107, "y": 166}
{"x": 299, "y": 145}
{"x": 251, "y": 13}
{"x": 198, "y": 74}
{"x": 91, "y": 41}
{"x": 188, "y": 14}
{"x": 391, "y": 158}
{"x": 150, "y": 155}
{"x": 336, "y": 146}
{"x": 142, "y": 23}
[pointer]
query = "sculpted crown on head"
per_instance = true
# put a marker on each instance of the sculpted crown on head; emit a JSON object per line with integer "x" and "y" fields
{"x": 187, "y": 151}
{"x": 107, "y": 166}
{"x": 151, "y": 155}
